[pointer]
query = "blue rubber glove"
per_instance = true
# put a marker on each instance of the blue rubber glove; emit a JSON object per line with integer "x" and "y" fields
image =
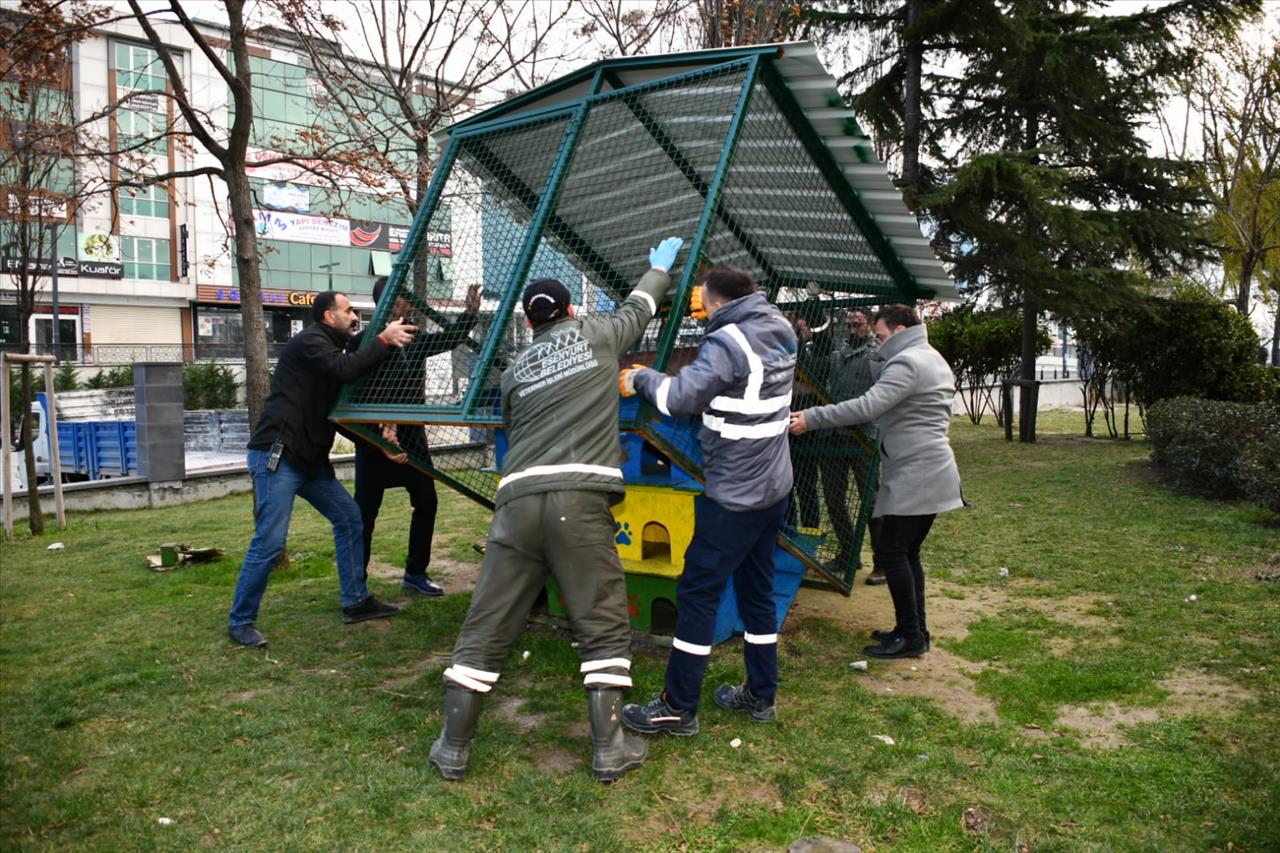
{"x": 664, "y": 257}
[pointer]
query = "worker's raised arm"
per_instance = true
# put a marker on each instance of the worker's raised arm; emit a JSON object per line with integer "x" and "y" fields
{"x": 624, "y": 328}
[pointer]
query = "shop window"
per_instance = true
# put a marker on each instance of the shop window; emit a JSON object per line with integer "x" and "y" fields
{"x": 138, "y": 68}
{"x": 144, "y": 201}
{"x": 145, "y": 258}
{"x": 141, "y": 131}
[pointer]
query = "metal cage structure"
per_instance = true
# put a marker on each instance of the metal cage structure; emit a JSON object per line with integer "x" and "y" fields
{"x": 750, "y": 155}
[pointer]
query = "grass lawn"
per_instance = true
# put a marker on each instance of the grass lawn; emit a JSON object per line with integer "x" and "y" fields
{"x": 1077, "y": 697}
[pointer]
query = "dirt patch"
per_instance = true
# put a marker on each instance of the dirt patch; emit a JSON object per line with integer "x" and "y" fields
{"x": 555, "y": 761}
{"x": 945, "y": 678}
{"x": 704, "y": 808}
{"x": 1103, "y": 724}
{"x": 679, "y": 804}
{"x": 870, "y": 607}
{"x": 455, "y": 576}
{"x": 912, "y": 798}
{"x": 509, "y": 708}
{"x": 1213, "y": 570}
{"x": 452, "y": 575}
{"x": 1084, "y": 611}
{"x": 408, "y": 676}
{"x": 248, "y": 695}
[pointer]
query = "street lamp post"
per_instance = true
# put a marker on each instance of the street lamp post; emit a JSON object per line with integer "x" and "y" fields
{"x": 330, "y": 267}
{"x": 53, "y": 284}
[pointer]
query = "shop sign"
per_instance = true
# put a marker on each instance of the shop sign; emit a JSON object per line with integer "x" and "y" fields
{"x": 231, "y": 295}
{"x": 66, "y": 266}
{"x": 316, "y": 173}
{"x": 385, "y": 237}
{"x": 369, "y": 235}
{"x": 439, "y": 243}
{"x": 287, "y": 195}
{"x": 300, "y": 228}
{"x": 99, "y": 255}
{"x": 38, "y": 206}
{"x": 142, "y": 99}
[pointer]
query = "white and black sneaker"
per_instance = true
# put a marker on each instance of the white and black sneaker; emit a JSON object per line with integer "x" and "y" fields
{"x": 740, "y": 698}
{"x": 657, "y": 716}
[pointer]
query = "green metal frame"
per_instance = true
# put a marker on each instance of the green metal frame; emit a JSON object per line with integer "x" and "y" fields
{"x": 671, "y": 327}
{"x": 838, "y": 183}
{"x": 469, "y": 136}
{"x": 533, "y": 236}
{"x": 705, "y": 58}
{"x": 403, "y": 262}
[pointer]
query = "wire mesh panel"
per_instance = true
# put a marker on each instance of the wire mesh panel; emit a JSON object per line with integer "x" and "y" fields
{"x": 580, "y": 191}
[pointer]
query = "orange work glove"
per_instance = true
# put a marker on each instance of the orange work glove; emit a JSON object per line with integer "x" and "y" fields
{"x": 627, "y": 380}
{"x": 696, "y": 311}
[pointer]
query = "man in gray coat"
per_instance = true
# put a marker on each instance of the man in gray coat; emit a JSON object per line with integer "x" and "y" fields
{"x": 911, "y": 398}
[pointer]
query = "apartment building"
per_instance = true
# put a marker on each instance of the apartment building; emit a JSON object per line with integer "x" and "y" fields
{"x": 149, "y": 274}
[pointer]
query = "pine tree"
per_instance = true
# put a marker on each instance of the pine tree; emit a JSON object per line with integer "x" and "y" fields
{"x": 893, "y": 91}
{"x": 1055, "y": 193}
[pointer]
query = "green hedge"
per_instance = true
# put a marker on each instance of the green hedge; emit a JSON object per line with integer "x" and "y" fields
{"x": 1259, "y": 470}
{"x": 1227, "y": 448}
{"x": 208, "y": 385}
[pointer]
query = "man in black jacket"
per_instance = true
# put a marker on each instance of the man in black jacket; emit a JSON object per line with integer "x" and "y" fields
{"x": 378, "y": 470}
{"x": 289, "y": 456}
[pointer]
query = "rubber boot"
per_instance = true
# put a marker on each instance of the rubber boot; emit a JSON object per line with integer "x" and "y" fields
{"x": 616, "y": 753}
{"x": 450, "y": 752}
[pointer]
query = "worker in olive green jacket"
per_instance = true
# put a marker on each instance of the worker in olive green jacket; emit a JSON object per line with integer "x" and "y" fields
{"x": 553, "y": 516}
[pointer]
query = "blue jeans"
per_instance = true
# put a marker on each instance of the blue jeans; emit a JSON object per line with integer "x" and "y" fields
{"x": 273, "y": 505}
{"x": 726, "y": 544}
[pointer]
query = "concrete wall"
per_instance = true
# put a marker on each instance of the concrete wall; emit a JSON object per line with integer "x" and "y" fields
{"x": 137, "y": 493}
{"x": 1054, "y": 394}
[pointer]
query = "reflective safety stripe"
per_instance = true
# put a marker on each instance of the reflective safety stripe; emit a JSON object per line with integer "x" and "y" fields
{"x": 607, "y": 679}
{"x": 663, "y": 389}
{"x": 691, "y": 648}
{"x": 759, "y": 639}
{"x": 463, "y": 680}
{"x": 648, "y": 300}
{"x": 569, "y": 468}
{"x": 736, "y": 432}
{"x": 767, "y": 406}
{"x": 756, "y": 366}
{"x": 479, "y": 674}
{"x": 605, "y": 663}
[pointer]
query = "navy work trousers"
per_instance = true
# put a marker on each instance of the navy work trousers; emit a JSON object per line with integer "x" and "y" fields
{"x": 726, "y": 544}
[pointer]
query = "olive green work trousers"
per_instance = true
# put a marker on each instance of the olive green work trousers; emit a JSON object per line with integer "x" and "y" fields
{"x": 565, "y": 534}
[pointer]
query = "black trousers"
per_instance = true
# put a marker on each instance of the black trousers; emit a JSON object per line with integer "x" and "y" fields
{"x": 375, "y": 473}
{"x": 897, "y": 553}
{"x": 837, "y": 471}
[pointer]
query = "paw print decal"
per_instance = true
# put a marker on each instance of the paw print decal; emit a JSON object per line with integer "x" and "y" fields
{"x": 622, "y": 532}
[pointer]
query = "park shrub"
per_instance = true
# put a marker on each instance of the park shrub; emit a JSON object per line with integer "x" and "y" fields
{"x": 983, "y": 346}
{"x": 1195, "y": 346}
{"x": 1259, "y": 470}
{"x": 1215, "y": 445}
{"x": 209, "y": 385}
{"x": 1157, "y": 348}
{"x": 116, "y": 377}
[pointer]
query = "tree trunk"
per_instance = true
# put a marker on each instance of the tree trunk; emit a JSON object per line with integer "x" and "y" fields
{"x": 35, "y": 516}
{"x": 913, "y": 58}
{"x": 1247, "y": 265}
{"x": 255, "y": 327}
{"x": 240, "y": 200}
{"x": 1026, "y": 393}
{"x": 1275, "y": 336}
